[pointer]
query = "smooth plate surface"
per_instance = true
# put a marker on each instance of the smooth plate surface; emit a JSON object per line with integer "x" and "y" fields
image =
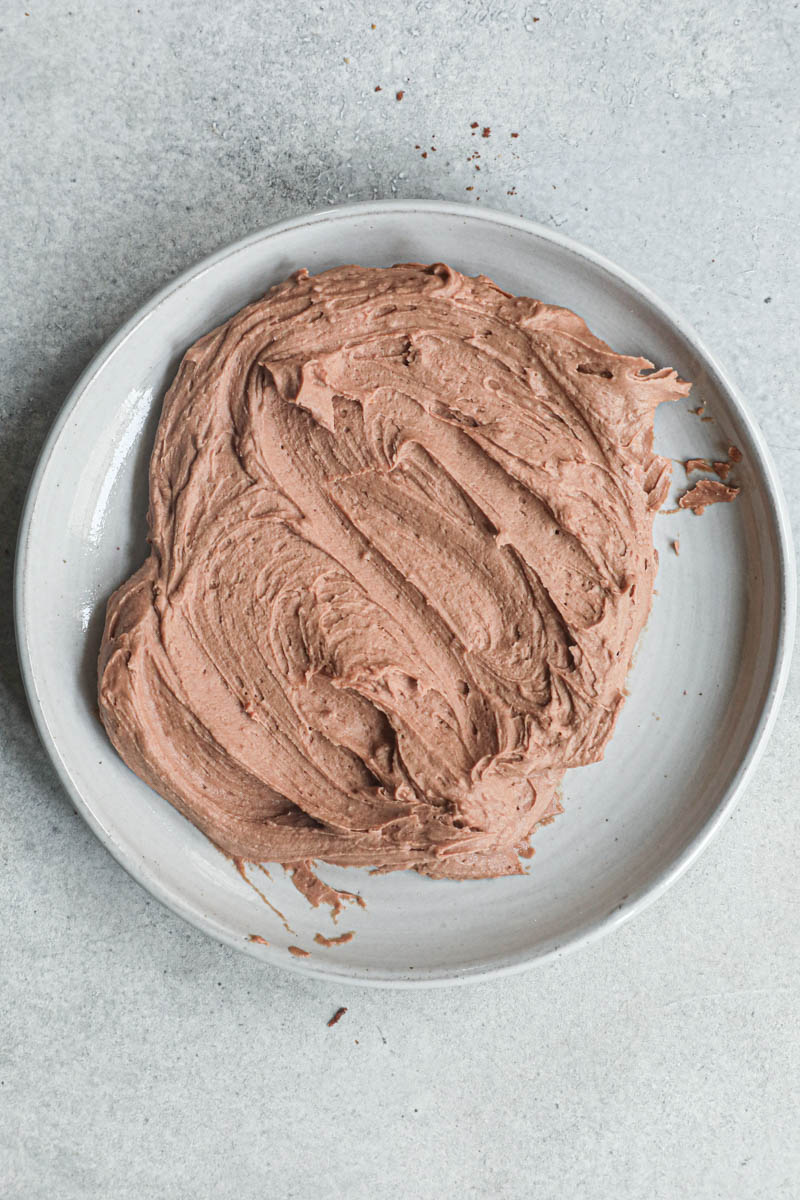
{"x": 708, "y": 673}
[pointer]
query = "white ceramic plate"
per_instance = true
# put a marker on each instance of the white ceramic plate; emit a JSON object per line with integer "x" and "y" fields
{"x": 709, "y": 671}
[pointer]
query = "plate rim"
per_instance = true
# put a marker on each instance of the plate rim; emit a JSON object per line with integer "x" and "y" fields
{"x": 645, "y": 895}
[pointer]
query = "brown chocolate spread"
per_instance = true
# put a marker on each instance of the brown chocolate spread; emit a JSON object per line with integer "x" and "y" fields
{"x": 401, "y": 553}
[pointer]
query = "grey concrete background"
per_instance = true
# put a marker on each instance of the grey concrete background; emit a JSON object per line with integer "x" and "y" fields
{"x": 139, "y": 1059}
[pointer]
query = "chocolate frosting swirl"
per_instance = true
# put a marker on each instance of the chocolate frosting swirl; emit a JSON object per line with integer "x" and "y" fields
{"x": 401, "y": 552}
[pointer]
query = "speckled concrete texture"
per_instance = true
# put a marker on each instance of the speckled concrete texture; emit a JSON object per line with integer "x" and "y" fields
{"x": 139, "y": 1059}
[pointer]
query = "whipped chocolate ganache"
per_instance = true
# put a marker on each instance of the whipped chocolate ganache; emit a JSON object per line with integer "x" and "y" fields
{"x": 400, "y": 555}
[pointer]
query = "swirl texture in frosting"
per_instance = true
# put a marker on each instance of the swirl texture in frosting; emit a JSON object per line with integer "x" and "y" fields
{"x": 400, "y": 555}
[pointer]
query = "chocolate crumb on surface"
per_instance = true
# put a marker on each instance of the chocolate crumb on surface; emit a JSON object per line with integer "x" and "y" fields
{"x": 298, "y": 952}
{"x": 378, "y": 88}
{"x": 723, "y": 469}
{"x": 676, "y": 546}
{"x": 707, "y": 491}
{"x": 734, "y": 454}
{"x": 341, "y": 940}
{"x": 486, "y": 131}
{"x": 337, "y": 1016}
{"x": 697, "y": 464}
{"x": 256, "y": 937}
{"x": 399, "y": 95}
{"x": 474, "y": 125}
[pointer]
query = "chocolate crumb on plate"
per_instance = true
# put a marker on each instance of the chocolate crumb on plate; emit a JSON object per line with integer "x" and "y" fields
{"x": 341, "y": 940}
{"x": 707, "y": 491}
